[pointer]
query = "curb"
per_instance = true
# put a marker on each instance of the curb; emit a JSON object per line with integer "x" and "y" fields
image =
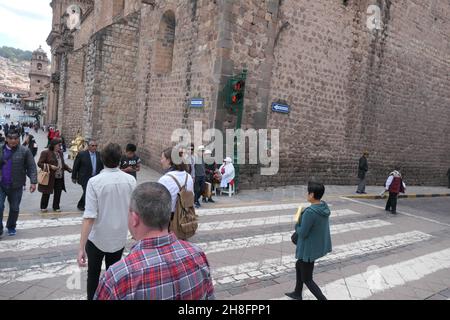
{"x": 402, "y": 196}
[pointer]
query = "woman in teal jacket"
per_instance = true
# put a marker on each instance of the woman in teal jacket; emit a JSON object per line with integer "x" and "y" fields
{"x": 314, "y": 241}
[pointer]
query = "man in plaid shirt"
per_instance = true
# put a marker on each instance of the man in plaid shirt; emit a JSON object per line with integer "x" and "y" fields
{"x": 159, "y": 266}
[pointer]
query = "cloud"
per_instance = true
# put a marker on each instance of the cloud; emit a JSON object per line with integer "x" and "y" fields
{"x": 25, "y": 24}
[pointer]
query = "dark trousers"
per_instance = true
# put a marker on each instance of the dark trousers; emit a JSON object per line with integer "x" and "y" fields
{"x": 361, "y": 185}
{"x": 57, "y": 191}
{"x": 449, "y": 181}
{"x": 391, "y": 204}
{"x": 304, "y": 272}
{"x": 82, "y": 202}
{"x": 95, "y": 259}
{"x": 199, "y": 187}
{"x": 14, "y": 196}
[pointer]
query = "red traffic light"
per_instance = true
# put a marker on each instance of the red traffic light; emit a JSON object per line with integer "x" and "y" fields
{"x": 238, "y": 86}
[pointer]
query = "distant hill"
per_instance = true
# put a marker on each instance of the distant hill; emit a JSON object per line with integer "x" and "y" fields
{"x": 14, "y": 74}
{"x": 15, "y": 55}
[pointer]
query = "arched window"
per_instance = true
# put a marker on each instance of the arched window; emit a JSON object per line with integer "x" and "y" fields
{"x": 39, "y": 66}
{"x": 165, "y": 44}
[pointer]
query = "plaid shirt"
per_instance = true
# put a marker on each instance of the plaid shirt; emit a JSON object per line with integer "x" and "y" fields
{"x": 163, "y": 268}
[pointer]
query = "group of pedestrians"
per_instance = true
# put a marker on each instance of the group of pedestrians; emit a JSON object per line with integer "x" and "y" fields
{"x": 203, "y": 169}
{"x": 160, "y": 265}
{"x": 394, "y": 184}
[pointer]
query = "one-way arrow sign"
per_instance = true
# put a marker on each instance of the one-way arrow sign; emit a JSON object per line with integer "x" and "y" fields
{"x": 281, "y": 108}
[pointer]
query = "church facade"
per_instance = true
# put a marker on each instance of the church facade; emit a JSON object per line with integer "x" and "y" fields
{"x": 355, "y": 75}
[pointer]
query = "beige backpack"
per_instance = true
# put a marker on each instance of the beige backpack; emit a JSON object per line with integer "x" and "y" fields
{"x": 184, "y": 223}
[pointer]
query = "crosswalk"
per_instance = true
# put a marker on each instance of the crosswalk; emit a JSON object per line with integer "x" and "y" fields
{"x": 252, "y": 257}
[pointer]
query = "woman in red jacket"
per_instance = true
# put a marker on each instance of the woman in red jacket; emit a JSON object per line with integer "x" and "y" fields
{"x": 394, "y": 185}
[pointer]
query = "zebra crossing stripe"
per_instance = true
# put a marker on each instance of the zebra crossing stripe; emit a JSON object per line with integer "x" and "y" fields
{"x": 261, "y": 269}
{"x": 262, "y": 221}
{"x": 48, "y": 223}
{"x": 249, "y": 209}
{"x": 279, "y": 237}
{"x": 364, "y": 285}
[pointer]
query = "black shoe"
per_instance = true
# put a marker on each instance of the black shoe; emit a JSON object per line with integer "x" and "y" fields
{"x": 394, "y": 212}
{"x": 363, "y": 192}
{"x": 294, "y": 295}
{"x": 211, "y": 200}
{"x": 358, "y": 192}
{"x": 80, "y": 208}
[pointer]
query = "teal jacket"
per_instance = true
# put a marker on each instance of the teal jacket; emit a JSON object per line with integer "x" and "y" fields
{"x": 314, "y": 239}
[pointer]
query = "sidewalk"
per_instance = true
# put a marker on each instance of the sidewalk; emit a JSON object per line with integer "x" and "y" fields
{"x": 289, "y": 194}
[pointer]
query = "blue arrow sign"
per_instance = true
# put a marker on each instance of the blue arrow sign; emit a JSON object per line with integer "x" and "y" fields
{"x": 281, "y": 108}
{"x": 197, "y": 103}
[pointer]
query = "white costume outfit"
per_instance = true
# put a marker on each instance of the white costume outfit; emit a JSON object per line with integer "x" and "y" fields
{"x": 228, "y": 176}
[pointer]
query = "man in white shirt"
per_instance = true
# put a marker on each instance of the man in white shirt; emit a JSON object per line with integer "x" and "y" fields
{"x": 105, "y": 225}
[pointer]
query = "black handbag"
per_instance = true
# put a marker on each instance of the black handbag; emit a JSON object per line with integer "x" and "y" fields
{"x": 294, "y": 237}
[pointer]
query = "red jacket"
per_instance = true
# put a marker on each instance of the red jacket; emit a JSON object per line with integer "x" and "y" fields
{"x": 397, "y": 186}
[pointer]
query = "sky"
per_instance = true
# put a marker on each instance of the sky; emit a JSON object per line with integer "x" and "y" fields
{"x": 25, "y": 24}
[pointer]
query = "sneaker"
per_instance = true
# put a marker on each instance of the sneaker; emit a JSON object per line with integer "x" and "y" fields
{"x": 44, "y": 210}
{"x": 204, "y": 200}
{"x": 57, "y": 210}
{"x": 11, "y": 232}
{"x": 294, "y": 295}
{"x": 211, "y": 200}
{"x": 197, "y": 206}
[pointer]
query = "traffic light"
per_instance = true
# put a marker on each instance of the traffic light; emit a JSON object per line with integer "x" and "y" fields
{"x": 236, "y": 92}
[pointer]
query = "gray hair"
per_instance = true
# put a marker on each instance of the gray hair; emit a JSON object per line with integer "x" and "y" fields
{"x": 153, "y": 203}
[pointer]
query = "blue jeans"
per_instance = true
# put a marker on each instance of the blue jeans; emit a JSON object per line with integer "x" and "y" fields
{"x": 14, "y": 196}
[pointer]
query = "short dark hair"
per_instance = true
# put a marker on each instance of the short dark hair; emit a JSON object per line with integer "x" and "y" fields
{"x": 153, "y": 203}
{"x": 131, "y": 148}
{"x": 111, "y": 155}
{"x": 317, "y": 188}
{"x": 12, "y": 133}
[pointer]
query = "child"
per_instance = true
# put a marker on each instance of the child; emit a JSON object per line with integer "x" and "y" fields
{"x": 130, "y": 163}
{"x": 394, "y": 185}
{"x": 314, "y": 241}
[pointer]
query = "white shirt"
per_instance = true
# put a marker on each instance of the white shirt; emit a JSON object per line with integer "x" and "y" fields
{"x": 107, "y": 201}
{"x": 171, "y": 185}
{"x": 228, "y": 176}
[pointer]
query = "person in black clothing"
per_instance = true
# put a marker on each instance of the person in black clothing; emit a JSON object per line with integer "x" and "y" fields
{"x": 448, "y": 176}
{"x": 87, "y": 164}
{"x": 130, "y": 162}
{"x": 363, "y": 167}
{"x": 2, "y": 139}
{"x": 210, "y": 170}
{"x": 32, "y": 145}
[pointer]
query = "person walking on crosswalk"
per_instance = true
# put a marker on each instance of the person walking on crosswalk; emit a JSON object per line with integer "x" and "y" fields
{"x": 104, "y": 230}
{"x": 395, "y": 185}
{"x": 314, "y": 241}
{"x": 87, "y": 164}
{"x": 16, "y": 163}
